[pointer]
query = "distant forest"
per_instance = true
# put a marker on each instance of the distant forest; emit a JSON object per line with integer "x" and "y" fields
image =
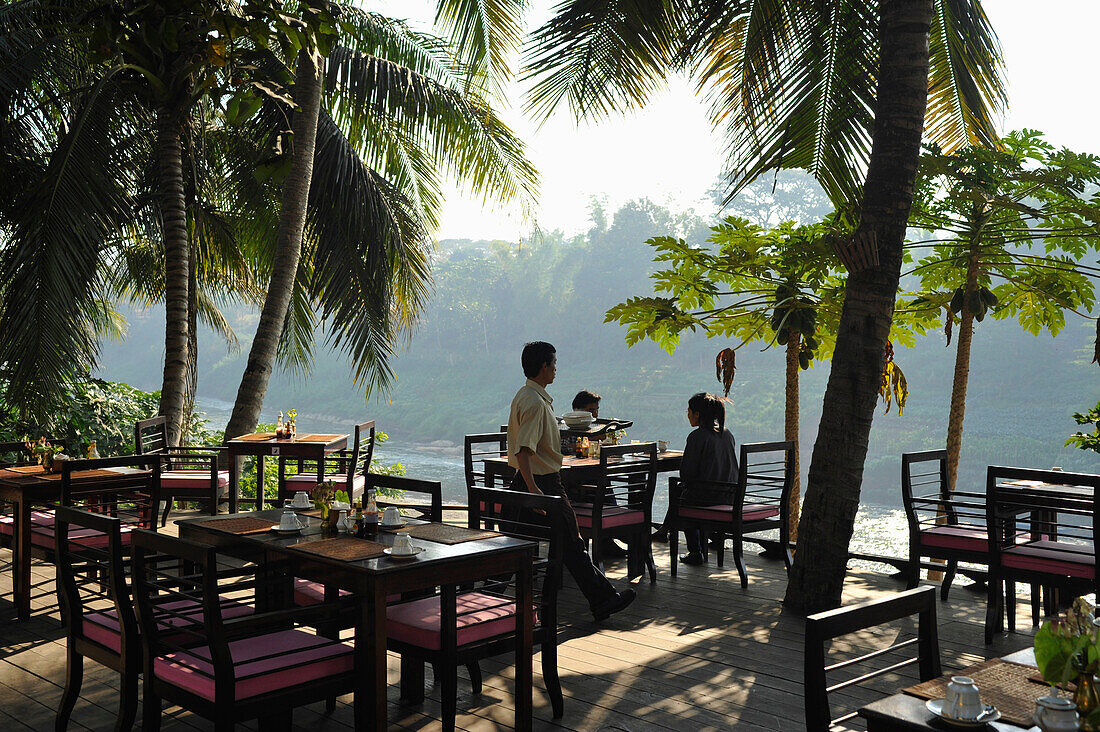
{"x": 460, "y": 368}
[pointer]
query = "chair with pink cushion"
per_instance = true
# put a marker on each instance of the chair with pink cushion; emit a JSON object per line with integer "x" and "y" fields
{"x": 618, "y": 504}
{"x": 760, "y": 502}
{"x": 222, "y": 667}
{"x": 462, "y": 625}
{"x": 346, "y": 469}
{"x": 1043, "y": 530}
{"x": 189, "y": 472}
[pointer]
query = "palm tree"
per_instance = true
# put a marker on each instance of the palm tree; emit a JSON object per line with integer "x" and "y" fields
{"x": 835, "y": 88}
{"x": 392, "y": 115}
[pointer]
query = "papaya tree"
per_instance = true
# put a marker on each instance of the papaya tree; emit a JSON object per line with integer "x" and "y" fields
{"x": 1014, "y": 224}
{"x": 750, "y": 284}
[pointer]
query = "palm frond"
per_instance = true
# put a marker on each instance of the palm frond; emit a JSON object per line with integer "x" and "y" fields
{"x": 486, "y": 35}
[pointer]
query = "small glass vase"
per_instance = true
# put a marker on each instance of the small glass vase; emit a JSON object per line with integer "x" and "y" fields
{"x": 1086, "y": 699}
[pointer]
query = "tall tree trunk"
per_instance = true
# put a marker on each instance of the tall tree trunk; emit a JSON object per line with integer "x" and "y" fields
{"x": 790, "y": 425}
{"x": 288, "y": 249}
{"x": 836, "y": 468}
{"x": 962, "y": 371}
{"x": 173, "y": 211}
{"x": 192, "y": 348}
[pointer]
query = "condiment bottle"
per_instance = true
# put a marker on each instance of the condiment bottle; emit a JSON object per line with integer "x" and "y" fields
{"x": 280, "y": 430}
{"x": 370, "y": 516}
{"x": 93, "y": 454}
{"x": 342, "y": 522}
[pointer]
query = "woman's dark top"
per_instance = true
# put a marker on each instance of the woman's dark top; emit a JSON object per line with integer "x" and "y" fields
{"x": 708, "y": 456}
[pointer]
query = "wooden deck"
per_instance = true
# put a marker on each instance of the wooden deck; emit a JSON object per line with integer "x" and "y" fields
{"x": 694, "y": 652}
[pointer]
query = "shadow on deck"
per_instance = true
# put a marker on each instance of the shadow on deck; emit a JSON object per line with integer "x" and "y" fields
{"x": 693, "y": 652}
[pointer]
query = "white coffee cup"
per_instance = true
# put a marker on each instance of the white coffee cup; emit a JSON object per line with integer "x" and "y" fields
{"x": 962, "y": 700}
{"x": 662, "y": 445}
{"x": 402, "y": 544}
{"x": 391, "y": 516}
{"x": 289, "y": 520}
{"x": 301, "y": 500}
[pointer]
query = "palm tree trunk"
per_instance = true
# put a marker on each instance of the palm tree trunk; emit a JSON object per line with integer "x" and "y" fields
{"x": 288, "y": 249}
{"x": 790, "y": 425}
{"x": 192, "y": 348}
{"x": 173, "y": 211}
{"x": 836, "y": 468}
{"x": 962, "y": 372}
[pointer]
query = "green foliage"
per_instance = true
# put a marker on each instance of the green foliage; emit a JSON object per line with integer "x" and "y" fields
{"x": 1091, "y": 440}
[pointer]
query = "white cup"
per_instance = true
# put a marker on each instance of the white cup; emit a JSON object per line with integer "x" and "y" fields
{"x": 1054, "y": 714}
{"x": 402, "y": 544}
{"x": 289, "y": 520}
{"x": 301, "y": 500}
{"x": 962, "y": 700}
{"x": 391, "y": 516}
{"x": 662, "y": 445}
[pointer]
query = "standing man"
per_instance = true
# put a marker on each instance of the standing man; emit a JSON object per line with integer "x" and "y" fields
{"x": 534, "y": 450}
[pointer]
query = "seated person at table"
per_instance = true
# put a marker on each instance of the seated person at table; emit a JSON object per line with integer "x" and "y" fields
{"x": 710, "y": 455}
{"x": 587, "y": 401}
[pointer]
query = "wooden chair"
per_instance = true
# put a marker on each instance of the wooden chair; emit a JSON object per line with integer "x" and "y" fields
{"x": 16, "y": 453}
{"x": 824, "y": 627}
{"x": 761, "y": 502}
{"x": 462, "y": 625}
{"x": 189, "y": 472}
{"x": 347, "y": 468}
{"x": 477, "y": 449}
{"x": 1042, "y": 528}
{"x": 223, "y": 668}
{"x": 619, "y": 504}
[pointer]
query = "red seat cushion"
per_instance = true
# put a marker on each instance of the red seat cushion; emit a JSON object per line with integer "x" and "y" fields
{"x": 261, "y": 664}
{"x": 724, "y": 512}
{"x": 103, "y": 627}
{"x": 191, "y": 479}
{"x": 308, "y": 481}
{"x": 612, "y": 516}
{"x": 1052, "y": 557}
{"x": 969, "y": 537}
{"x": 308, "y": 592}
{"x": 42, "y": 533}
{"x": 480, "y": 616}
{"x": 39, "y": 519}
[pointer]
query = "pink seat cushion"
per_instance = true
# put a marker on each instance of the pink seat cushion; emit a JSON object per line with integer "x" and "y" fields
{"x": 261, "y": 664}
{"x": 968, "y": 537}
{"x": 724, "y": 512}
{"x": 104, "y": 628}
{"x": 191, "y": 479}
{"x": 480, "y": 616}
{"x": 307, "y": 592}
{"x": 612, "y": 516}
{"x": 1052, "y": 557}
{"x": 42, "y": 533}
{"x": 39, "y": 519}
{"x": 308, "y": 481}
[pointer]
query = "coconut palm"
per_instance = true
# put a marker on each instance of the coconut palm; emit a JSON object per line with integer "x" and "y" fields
{"x": 398, "y": 108}
{"x": 841, "y": 89}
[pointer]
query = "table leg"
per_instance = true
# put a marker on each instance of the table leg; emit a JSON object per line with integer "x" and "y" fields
{"x": 21, "y": 559}
{"x": 234, "y": 480}
{"x": 370, "y": 656}
{"x": 260, "y": 483}
{"x": 525, "y": 636}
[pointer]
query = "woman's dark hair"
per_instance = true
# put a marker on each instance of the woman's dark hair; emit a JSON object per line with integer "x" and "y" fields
{"x": 711, "y": 411}
{"x": 535, "y": 355}
{"x": 584, "y": 398}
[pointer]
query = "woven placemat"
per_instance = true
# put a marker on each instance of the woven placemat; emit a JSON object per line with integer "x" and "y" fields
{"x": 318, "y": 438}
{"x": 1003, "y": 684}
{"x": 241, "y": 525}
{"x": 256, "y": 437}
{"x": 343, "y": 548}
{"x": 89, "y": 474}
{"x": 448, "y": 534}
{"x": 28, "y": 469}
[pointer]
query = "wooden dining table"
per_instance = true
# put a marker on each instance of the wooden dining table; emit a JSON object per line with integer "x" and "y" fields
{"x": 25, "y": 487}
{"x": 376, "y": 578}
{"x": 576, "y": 469}
{"x": 1010, "y": 680}
{"x": 305, "y": 446}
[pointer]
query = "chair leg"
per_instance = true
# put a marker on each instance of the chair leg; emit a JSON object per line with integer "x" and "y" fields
{"x": 649, "y": 562}
{"x": 948, "y": 578}
{"x": 167, "y": 509}
{"x": 448, "y": 695}
{"x": 740, "y": 562}
{"x": 150, "y": 709}
{"x": 127, "y": 703}
{"x": 594, "y": 548}
{"x": 550, "y": 676}
{"x": 992, "y": 607}
{"x": 1036, "y": 608}
{"x": 673, "y": 548}
{"x": 721, "y": 550}
{"x": 1010, "y": 606}
{"x": 74, "y": 677}
{"x": 412, "y": 680}
{"x": 913, "y": 572}
{"x": 474, "y": 670}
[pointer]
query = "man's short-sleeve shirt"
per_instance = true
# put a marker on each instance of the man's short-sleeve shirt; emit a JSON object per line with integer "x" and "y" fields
{"x": 531, "y": 424}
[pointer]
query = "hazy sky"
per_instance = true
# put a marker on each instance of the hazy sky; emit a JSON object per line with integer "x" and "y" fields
{"x": 667, "y": 151}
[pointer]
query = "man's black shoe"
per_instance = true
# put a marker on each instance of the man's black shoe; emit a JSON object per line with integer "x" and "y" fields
{"x": 615, "y": 603}
{"x": 693, "y": 558}
{"x": 610, "y": 550}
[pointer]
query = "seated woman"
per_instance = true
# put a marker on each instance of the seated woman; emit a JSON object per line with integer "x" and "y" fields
{"x": 710, "y": 455}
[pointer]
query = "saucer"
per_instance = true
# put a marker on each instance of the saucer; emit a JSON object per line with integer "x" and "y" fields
{"x": 393, "y": 526}
{"x": 279, "y": 530}
{"x": 936, "y": 707}
{"x": 389, "y": 553}
{"x": 306, "y": 507}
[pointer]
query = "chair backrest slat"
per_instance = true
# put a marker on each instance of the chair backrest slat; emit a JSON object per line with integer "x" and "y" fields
{"x": 433, "y": 489}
